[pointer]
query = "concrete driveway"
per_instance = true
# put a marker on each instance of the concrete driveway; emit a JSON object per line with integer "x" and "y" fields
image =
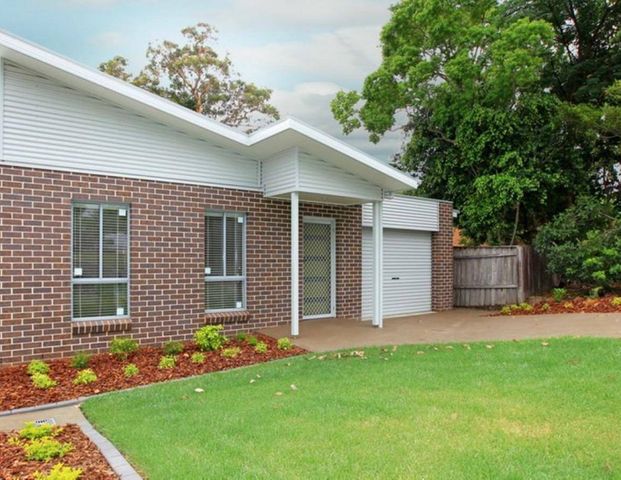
{"x": 459, "y": 325}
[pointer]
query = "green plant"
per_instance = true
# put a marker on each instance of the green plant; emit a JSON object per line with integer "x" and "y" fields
{"x": 31, "y": 431}
{"x": 261, "y": 347}
{"x": 252, "y": 340}
{"x": 43, "y": 381}
{"x": 44, "y": 449}
{"x": 616, "y": 302}
{"x": 209, "y": 337}
{"x": 545, "y": 307}
{"x": 59, "y": 472}
{"x": 84, "y": 377}
{"x": 122, "y": 348}
{"x": 559, "y": 294}
{"x": 130, "y": 370}
{"x": 525, "y": 307}
{"x": 596, "y": 292}
{"x": 37, "y": 366}
{"x": 80, "y": 360}
{"x": 173, "y": 348}
{"x": 197, "y": 357}
{"x": 568, "y": 306}
{"x": 506, "y": 310}
{"x": 231, "y": 352}
{"x": 284, "y": 344}
{"x": 241, "y": 336}
{"x": 167, "y": 362}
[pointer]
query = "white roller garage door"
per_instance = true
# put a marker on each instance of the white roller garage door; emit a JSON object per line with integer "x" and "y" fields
{"x": 407, "y": 272}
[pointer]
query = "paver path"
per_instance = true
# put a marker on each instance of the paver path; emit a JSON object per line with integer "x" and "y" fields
{"x": 458, "y": 325}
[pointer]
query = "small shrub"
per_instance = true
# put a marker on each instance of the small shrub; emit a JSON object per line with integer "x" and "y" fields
{"x": 231, "y": 352}
{"x": 284, "y": 344}
{"x": 596, "y": 292}
{"x": 43, "y": 381}
{"x": 31, "y": 431}
{"x": 545, "y": 307}
{"x": 80, "y": 360}
{"x": 559, "y": 294}
{"x": 260, "y": 347}
{"x": 38, "y": 366}
{"x": 130, "y": 370}
{"x": 209, "y": 337}
{"x": 525, "y": 307}
{"x": 44, "y": 449}
{"x": 252, "y": 340}
{"x": 197, "y": 357}
{"x": 568, "y": 306}
{"x": 59, "y": 472}
{"x": 167, "y": 362}
{"x": 84, "y": 377}
{"x": 514, "y": 308}
{"x": 173, "y": 348}
{"x": 241, "y": 336}
{"x": 506, "y": 310}
{"x": 616, "y": 302}
{"x": 122, "y": 348}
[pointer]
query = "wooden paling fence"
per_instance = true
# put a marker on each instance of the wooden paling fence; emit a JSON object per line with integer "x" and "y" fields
{"x": 491, "y": 276}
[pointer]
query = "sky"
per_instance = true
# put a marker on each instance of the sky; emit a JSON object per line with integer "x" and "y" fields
{"x": 304, "y": 50}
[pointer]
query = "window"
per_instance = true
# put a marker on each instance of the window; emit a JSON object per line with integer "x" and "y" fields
{"x": 225, "y": 262}
{"x": 100, "y": 254}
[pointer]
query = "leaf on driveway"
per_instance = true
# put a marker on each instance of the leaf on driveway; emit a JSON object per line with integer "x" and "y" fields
{"x": 293, "y": 387}
{"x": 278, "y": 394}
{"x": 545, "y": 344}
{"x": 199, "y": 390}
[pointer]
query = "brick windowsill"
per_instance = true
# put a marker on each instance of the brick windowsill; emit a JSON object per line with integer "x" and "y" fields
{"x": 85, "y": 327}
{"x": 223, "y": 318}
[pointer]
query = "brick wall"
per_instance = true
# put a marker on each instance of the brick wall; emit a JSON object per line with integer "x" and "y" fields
{"x": 442, "y": 260}
{"x": 167, "y": 260}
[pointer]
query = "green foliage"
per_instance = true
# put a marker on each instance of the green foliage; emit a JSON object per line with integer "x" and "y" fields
{"x": 525, "y": 307}
{"x": 167, "y": 362}
{"x": 210, "y": 337}
{"x": 231, "y": 352}
{"x": 261, "y": 347}
{"x": 44, "y": 449}
{"x": 252, "y": 340}
{"x": 197, "y": 357}
{"x": 488, "y": 95}
{"x": 32, "y": 431}
{"x": 80, "y": 360}
{"x": 42, "y": 381}
{"x": 173, "y": 348}
{"x": 194, "y": 75}
{"x": 241, "y": 336}
{"x": 506, "y": 310}
{"x": 559, "y": 294}
{"x": 122, "y": 348}
{"x": 616, "y": 301}
{"x": 596, "y": 292}
{"x": 130, "y": 370}
{"x": 84, "y": 377}
{"x": 59, "y": 472}
{"x": 284, "y": 344}
{"x": 583, "y": 244}
{"x": 37, "y": 366}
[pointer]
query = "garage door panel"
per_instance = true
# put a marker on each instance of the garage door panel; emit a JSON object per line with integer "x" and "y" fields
{"x": 407, "y": 272}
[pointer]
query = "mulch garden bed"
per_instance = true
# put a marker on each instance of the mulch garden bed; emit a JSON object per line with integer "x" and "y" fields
{"x": 604, "y": 304}
{"x": 84, "y": 455}
{"x": 16, "y": 389}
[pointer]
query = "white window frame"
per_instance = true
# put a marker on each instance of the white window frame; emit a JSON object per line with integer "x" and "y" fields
{"x": 227, "y": 278}
{"x": 100, "y": 280}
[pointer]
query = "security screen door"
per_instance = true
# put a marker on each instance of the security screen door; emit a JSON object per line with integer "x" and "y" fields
{"x": 319, "y": 267}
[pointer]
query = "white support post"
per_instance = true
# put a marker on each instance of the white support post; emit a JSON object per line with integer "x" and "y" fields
{"x": 295, "y": 264}
{"x": 378, "y": 265}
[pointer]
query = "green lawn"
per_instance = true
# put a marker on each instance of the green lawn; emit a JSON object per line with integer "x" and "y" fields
{"x": 517, "y": 410}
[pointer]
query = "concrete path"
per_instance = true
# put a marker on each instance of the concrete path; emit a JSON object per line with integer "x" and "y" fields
{"x": 459, "y": 325}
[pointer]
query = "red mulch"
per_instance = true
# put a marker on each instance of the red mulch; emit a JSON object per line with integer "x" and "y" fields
{"x": 573, "y": 305}
{"x": 16, "y": 389}
{"x": 85, "y": 455}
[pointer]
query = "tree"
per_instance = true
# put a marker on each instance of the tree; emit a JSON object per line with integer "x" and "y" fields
{"x": 469, "y": 85}
{"x": 197, "y": 77}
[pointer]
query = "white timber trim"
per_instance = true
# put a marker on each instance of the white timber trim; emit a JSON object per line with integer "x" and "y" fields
{"x": 295, "y": 264}
{"x": 378, "y": 265}
{"x": 1, "y": 108}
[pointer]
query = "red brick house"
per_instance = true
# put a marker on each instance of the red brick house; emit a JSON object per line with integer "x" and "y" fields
{"x": 124, "y": 214}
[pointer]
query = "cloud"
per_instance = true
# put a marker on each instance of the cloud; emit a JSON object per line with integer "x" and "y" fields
{"x": 91, "y": 3}
{"x": 108, "y": 39}
{"x": 310, "y": 102}
{"x": 302, "y": 13}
